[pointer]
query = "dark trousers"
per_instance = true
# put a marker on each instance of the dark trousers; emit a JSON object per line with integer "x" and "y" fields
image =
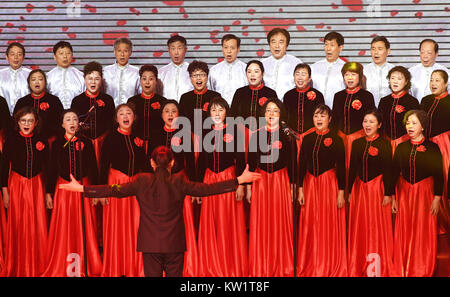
{"x": 171, "y": 263}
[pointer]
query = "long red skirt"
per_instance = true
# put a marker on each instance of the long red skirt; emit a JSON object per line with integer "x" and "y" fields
{"x": 443, "y": 141}
{"x": 190, "y": 268}
{"x": 271, "y": 251}
{"x": 27, "y": 227}
{"x": 396, "y": 142}
{"x": 3, "y": 226}
{"x": 120, "y": 229}
{"x": 321, "y": 241}
{"x": 370, "y": 240}
{"x": 415, "y": 235}
{"x": 65, "y": 255}
{"x": 222, "y": 240}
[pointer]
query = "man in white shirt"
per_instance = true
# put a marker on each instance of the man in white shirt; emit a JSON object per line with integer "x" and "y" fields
{"x": 326, "y": 73}
{"x": 174, "y": 77}
{"x": 229, "y": 75}
{"x": 377, "y": 71}
{"x": 65, "y": 81}
{"x": 122, "y": 79}
{"x": 421, "y": 73}
{"x": 13, "y": 79}
{"x": 279, "y": 67}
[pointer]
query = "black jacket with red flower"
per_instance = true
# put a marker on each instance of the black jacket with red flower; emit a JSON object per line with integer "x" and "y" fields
{"x": 76, "y": 157}
{"x": 393, "y": 109}
{"x": 369, "y": 159}
{"x": 123, "y": 152}
{"x": 349, "y": 108}
{"x": 300, "y": 105}
{"x": 248, "y": 101}
{"x": 321, "y": 152}
{"x": 193, "y": 100}
{"x": 100, "y": 119}
{"x": 438, "y": 111}
{"x": 26, "y": 155}
{"x": 416, "y": 162}
{"x": 49, "y": 109}
{"x": 148, "y": 112}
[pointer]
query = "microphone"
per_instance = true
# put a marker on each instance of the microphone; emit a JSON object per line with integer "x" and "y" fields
{"x": 288, "y": 131}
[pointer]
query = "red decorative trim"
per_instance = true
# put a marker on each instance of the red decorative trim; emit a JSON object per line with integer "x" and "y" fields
{"x": 38, "y": 96}
{"x": 201, "y": 92}
{"x": 257, "y": 88}
{"x": 353, "y": 91}
{"x": 147, "y": 97}
{"x": 303, "y": 90}
{"x": 399, "y": 95}
{"x": 441, "y": 96}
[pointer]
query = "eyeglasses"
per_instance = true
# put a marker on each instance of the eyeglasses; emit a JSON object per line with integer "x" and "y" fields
{"x": 25, "y": 122}
{"x": 199, "y": 75}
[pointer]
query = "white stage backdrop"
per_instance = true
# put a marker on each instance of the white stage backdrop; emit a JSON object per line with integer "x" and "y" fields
{"x": 92, "y": 26}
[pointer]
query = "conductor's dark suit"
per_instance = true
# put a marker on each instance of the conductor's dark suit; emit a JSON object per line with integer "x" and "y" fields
{"x": 161, "y": 225}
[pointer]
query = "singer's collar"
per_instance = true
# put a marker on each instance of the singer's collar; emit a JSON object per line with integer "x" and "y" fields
{"x": 273, "y": 129}
{"x": 441, "y": 96}
{"x": 26, "y": 135}
{"x": 303, "y": 90}
{"x": 73, "y": 138}
{"x": 355, "y": 90}
{"x": 323, "y": 132}
{"x": 399, "y": 95}
{"x": 92, "y": 95}
{"x": 259, "y": 87}
{"x": 168, "y": 129}
{"x": 38, "y": 96}
{"x": 201, "y": 92}
{"x": 147, "y": 97}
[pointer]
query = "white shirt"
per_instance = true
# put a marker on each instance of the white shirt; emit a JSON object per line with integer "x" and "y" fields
{"x": 175, "y": 80}
{"x": 65, "y": 83}
{"x": 420, "y": 79}
{"x": 225, "y": 78}
{"x": 14, "y": 85}
{"x": 279, "y": 73}
{"x": 121, "y": 82}
{"x": 327, "y": 78}
{"x": 376, "y": 81}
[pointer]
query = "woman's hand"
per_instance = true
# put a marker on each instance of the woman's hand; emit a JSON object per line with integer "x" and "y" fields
{"x": 48, "y": 201}
{"x": 435, "y": 205}
{"x": 247, "y": 176}
{"x": 5, "y": 197}
{"x": 73, "y": 186}
{"x": 248, "y": 194}
{"x": 301, "y": 196}
{"x": 340, "y": 199}
{"x": 240, "y": 193}
{"x": 394, "y": 204}
{"x": 386, "y": 200}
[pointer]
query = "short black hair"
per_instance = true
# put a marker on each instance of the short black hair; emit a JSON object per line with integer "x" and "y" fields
{"x": 33, "y": 72}
{"x": 259, "y": 63}
{"x": 321, "y": 108}
{"x": 24, "y": 111}
{"x": 220, "y": 102}
{"x": 148, "y": 67}
{"x": 227, "y": 37}
{"x": 91, "y": 67}
{"x": 383, "y": 39}
{"x": 281, "y": 106}
{"x": 17, "y": 44}
{"x": 276, "y": 31}
{"x": 303, "y": 66}
{"x": 176, "y": 38}
{"x": 62, "y": 44}
{"x": 436, "y": 45}
{"x": 443, "y": 74}
{"x": 198, "y": 65}
{"x": 124, "y": 40}
{"x": 403, "y": 71}
{"x": 421, "y": 115}
{"x": 333, "y": 35}
{"x": 170, "y": 101}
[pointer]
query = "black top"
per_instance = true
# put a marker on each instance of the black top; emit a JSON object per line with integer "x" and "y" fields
{"x": 369, "y": 159}
{"x": 321, "y": 152}
{"x": 148, "y": 112}
{"x": 271, "y": 150}
{"x": 300, "y": 105}
{"x": 393, "y": 108}
{"x": 66, "y": 161}
{"x": 27, "y": 156}
{"x": 417, "y": 161}
{"x": 226, "y": 149}
{"x": 5, "y": 116}
{"x": 438, "y": 110}
{"x": 123, "y": 152}
{"x": 349, "y": 108}
{"x": 180, "y": 146}
{"x": 196, "y": 100}
{"x": 161, "y": 198}
{"x": 100, "y": 119}
{"x": 248, "y": 101}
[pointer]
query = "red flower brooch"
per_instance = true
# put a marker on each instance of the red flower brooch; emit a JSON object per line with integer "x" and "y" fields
{"x": 399, "y": 109}
{"x": 139, "y": 142}
{"x": 228, "y": 138}
{"x": 373, "y": 151}
{"x": 156, "y": 105}
{"x": 44, "y": 106}
{"x": 328, "y": 141}
{"x": 277, "y": 145}
{"x": 40, "y": 146}
{"x": 356, "y": 104}
{"x": 79, "y": 145}
{"x": 262, "y": 100}
{"x": 311, "y": 95}
{"x": 100, "y": 103}
{"x": 205, "y": 106}
{"x": 175, "y": 141}
{"x": 421, "y": 148}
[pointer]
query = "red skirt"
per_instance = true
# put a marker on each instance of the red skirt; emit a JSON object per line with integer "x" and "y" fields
{"x": 348, "y": 140}
{"x": 415, "y": 235}
{"x": 190, "y": 268}
{"x": 396, "y": 142}
{"x": 222, "y": 238}
{"x": 3, "y": 226}
{"x": 370, "y": 240}
{"x": 27, "y": 227}
{"x": 65, "y": 255}
{"x": 120, "y": 229}
{"x": 443, "y": 141}
{"x": 321, "y": 239}
{"x": 271, "y": 251}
